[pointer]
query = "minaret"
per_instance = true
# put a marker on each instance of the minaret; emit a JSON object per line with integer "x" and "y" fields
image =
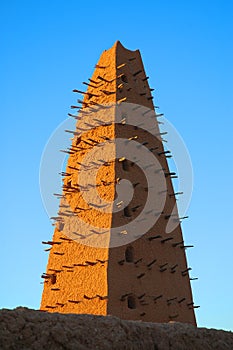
{"x": 96, "y": 267}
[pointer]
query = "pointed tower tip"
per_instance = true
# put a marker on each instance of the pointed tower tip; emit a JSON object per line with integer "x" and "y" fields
{"x": 118, "y": 45}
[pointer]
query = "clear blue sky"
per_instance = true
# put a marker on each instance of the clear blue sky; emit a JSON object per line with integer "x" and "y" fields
{"x": 50, "y": 47}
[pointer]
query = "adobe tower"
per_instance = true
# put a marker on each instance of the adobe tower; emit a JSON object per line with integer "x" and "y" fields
{"x": 117, "y": 247}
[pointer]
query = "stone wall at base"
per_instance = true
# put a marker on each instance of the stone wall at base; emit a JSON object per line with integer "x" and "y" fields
{"x": 27, "y": 329}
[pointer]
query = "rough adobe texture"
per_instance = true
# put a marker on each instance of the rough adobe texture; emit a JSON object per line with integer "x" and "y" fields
{"x": 25, "y": 329}
{"x": 154, "y": 285}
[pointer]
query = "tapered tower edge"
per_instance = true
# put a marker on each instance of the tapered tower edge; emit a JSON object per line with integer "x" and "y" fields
{"x": 146, "y": 279}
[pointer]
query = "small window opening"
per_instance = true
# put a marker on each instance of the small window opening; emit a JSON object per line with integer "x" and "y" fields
{"x": 53, "y": 279}
{"x": 124, "y": 78}
{"x": 127, "y": 212}
{"x": 125, "y": 165}
{"x": 69, "y": 183}
{"x": 129, "y": 254}
{"x": 131, "y": 302}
